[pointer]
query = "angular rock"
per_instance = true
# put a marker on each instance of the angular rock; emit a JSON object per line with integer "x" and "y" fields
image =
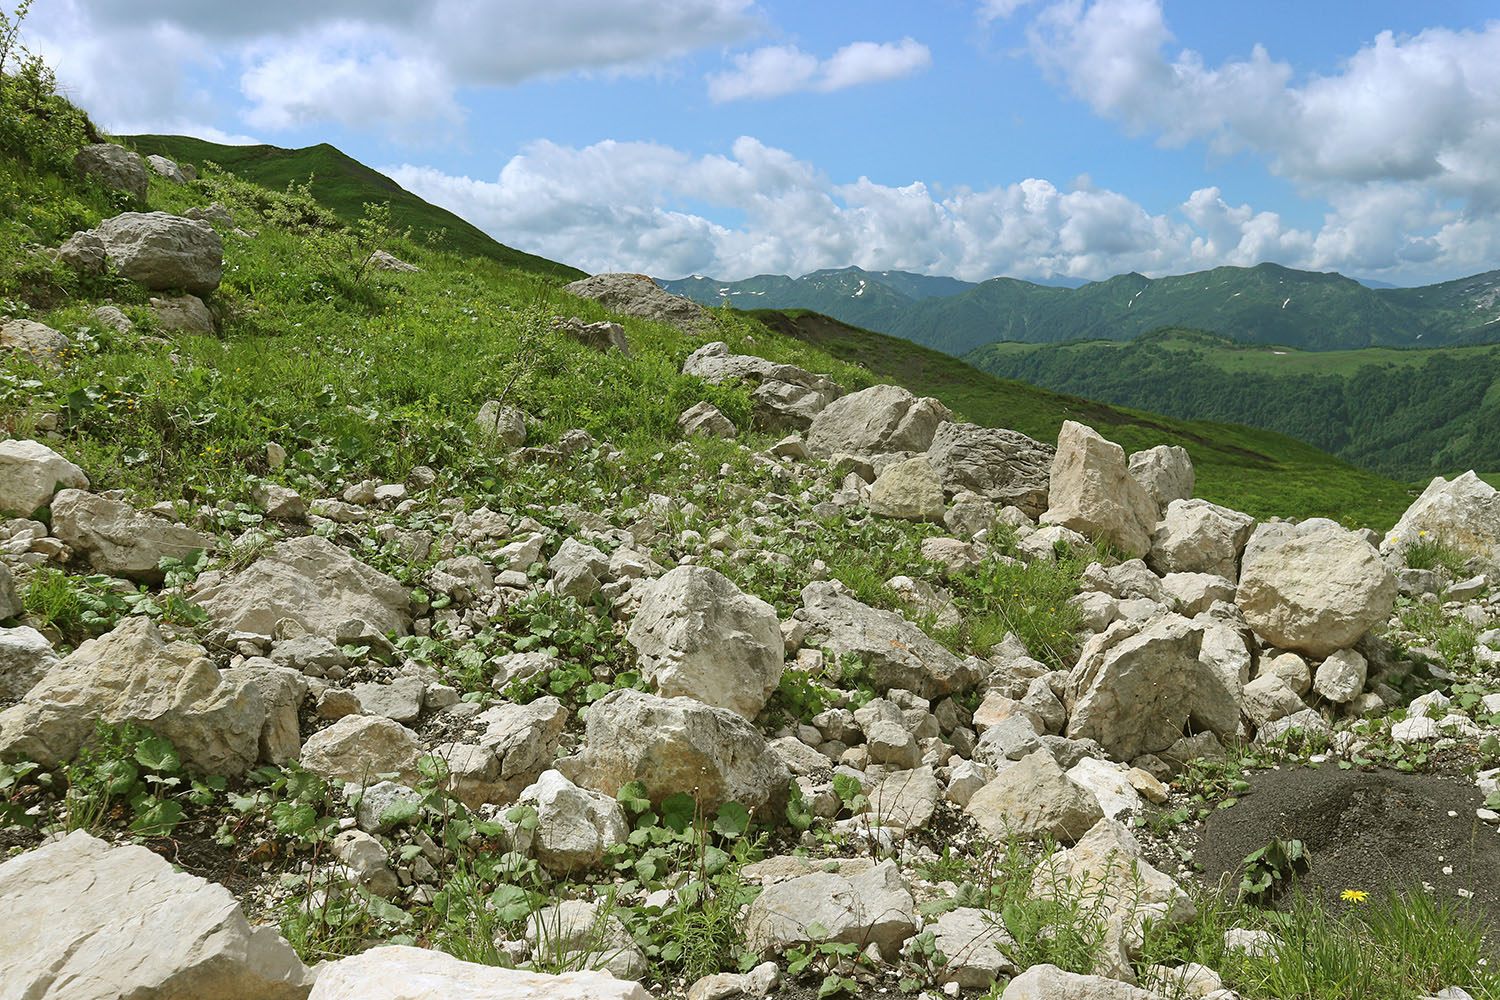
{"x": 87, "y": 921}
{"x": 1196, "y": 536}
{"x": 115, "y": 167}
{"x": 524, "y": 740}
{"x": 637, "y": 295}
{"x": 577, "y": 933}
{"x": 1195, "y": 593}
{"x": 969, "y": 514}
{"x": 1048, "y": 982}
{"x": 34, "y": 341}
{"x": 25, "y": 656}
{"x": 30, "y": 472}
{"x": 1106, "y": 866}
{"x": 1313, "y": 587}
{"x": 281, "y": 691}
{"x": 1032, "y": 798}
{"x": 1268, "y": 698}
{"x": 1165, "y": 473}
{"x": 1001, "y": 465}
{"x": 163, "y": 251}
{"x": 1110, "y": 784}
{"x": 164, "y": 167}
{"x": 184, "y": 314}
{"x": 502, "y": 423}
{"x": 116, "y": 539}
{"x": 396, "y": 972}
{"x": 400, "y": 700}
{"x": 1341, "y": 676}
{"x": 602, "y": 336}
{"x": 786, "y": 398}
{"x": 313, "y": 582}
{"x": 575, "y": 826}
{"x": 679, "y": 744}
{"x": 700, "y": 636}
{"x": 1133, "y": 687}
{"x": 359, "y": 747}
{"x": 131, "y": 675}
{"x": 876, "y": 421}
{"x": 902, "y": 655}
{"x": 906, "y": 800}
{"x": 1224, "y": 669}
{"x": 365, "y": 862}
{"x": 872, "y": 907}
{"x": 85, "y": 252}
{"x": 908, "y": 490}
{"x": 1090, "y": 490}
{"x": 705, "y": 420}
{"x": 1463, "y": 513}
{"x": 977, "y": 946}
{"x": 777, "y": 406}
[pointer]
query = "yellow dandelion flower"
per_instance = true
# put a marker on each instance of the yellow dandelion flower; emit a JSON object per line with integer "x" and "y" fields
{"x": 1354, "y": 895}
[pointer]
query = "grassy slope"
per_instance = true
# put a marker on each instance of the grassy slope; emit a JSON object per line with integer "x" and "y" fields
{"x": 1410, "y": 414}
{"x": 344, "y": 185}
{"x": 1262, "y": 472}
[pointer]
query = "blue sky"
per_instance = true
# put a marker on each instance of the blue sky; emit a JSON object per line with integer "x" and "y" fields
{"x": 1079, "y": 138}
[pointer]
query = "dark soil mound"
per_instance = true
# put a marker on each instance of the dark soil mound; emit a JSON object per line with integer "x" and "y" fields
{"x": 1367, "y": 830}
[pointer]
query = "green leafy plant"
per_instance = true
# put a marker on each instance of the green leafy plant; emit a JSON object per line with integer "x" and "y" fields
{"x": 1270, "y": 870}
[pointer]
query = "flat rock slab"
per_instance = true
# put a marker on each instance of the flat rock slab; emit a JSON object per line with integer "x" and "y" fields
{"x": 84, "y": 920}
{"x": 874, "y": 906}
{"x": 400, "y": 973}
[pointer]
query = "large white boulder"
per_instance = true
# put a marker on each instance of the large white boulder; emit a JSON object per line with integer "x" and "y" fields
{"x": 115, "y": 539}
{"x": 396, "y": 972}
{"x": 872, "y": 907}
{"x": 575, "y": 826}
{"x": 902, "y": 655}
{"x": 87, "y": 921}
{"x": 25, "y": 656}
{"x": 1135, "y": 684}
{"x": 676, "y": 745}
{"x": 313, "y": 582}
{"x": 30, "y": 472}
{"x": 359, "y": 747}
{"x": 131, "y": 675}
{"x": 1463, "y": 512}
{"x": 160, "y": 250}
{"x": 115, "y": 167}
{"x": 1164, "y": 472}
{"x": 876, "y": 421}
{"x": 699, "y": 636}
{"x": 1033, "y": 798}
{"x": 1092, "y": 492}
{"x": 908, "y": 490}
{"x": 1196, "y": 536}
{"x": 1001, "y": 465}
{"x": 1106, "y": 866}
{"x": 1314, "y": 587}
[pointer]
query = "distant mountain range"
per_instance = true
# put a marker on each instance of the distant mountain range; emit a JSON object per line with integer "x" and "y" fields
{"x": 1267, "y": 304}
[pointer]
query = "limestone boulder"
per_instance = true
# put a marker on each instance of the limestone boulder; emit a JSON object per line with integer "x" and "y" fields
{"x": 1134, "y": 684}
{"x": 314, "y": 583}
{"x": 575, "y": 826}
{"x": 699, "y": 636}
{"x": 876, "y": 421}
{"x": 115, "y": 167}
{"x": 396, "y": 972}
{"x": 25, "y": 657}
{"x": 1091, "y": 491}
{"x": 1048, "y": 982}
{"x": 184, "y": 314}
{"x": 1165, "y": 473}
{"x": 164, "y": 167}
{"x": 602, "y": 336}
{"x": 580, "y": 934}
{"x": 1341, "y": 676}
{"x": 1196, "y": 536}
{"x": 524, "y": 740}
{"x": 161, "y": 251}
{"x": 30, "y": 473}
{"x": 679, "y": 744}
{"x": 776, "y": 406}
{"x": 637, "y": 295}
{"x": 115, "y": 539}
{"x": 1106, "y": 865}
{"x": 1033, "y": 798}
{"x": 872, "y": 907}
{"x": 87, "y": 921}
{"x": 83, "y": 251}
{"x": 1001, "y": 465}
{"x": 503, "y": 424}
{"x": 1463, "y": 512}
{"x": 358, "y": 747}
{"x": 1223, "y": 672}
{"x": 902, "y": 655}
{"x": 977, "y": 946}
{"x": 1313, "y": 587}
{"x": 11, "y": 605}
{"x": 132, "y": 675}
{"x": 705, "y": 420}
{"x": 908, "y": 490}
{"x": 35, "y": 341}
{"x": 786, "y": 398}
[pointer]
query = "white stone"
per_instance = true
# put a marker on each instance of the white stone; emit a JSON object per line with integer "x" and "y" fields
{"x": 1341, "y": 676}
{"x": 29, "y": 472}
{"x": 1091, "y": 491}
{"x": 396, "y": 972}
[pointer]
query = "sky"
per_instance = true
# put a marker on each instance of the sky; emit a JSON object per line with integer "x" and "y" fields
{"x": 1032, "y": 138}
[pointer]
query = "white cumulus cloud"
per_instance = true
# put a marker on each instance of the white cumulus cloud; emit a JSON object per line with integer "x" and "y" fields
{"x": 774, "y": 70}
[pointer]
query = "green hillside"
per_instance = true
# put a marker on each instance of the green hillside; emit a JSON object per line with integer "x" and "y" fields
{"x": 1259, "y": 471}
{"x": 1409, "y": 414}
{"x": 345, "y": 185}
{"x": 1262, "y": 304}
